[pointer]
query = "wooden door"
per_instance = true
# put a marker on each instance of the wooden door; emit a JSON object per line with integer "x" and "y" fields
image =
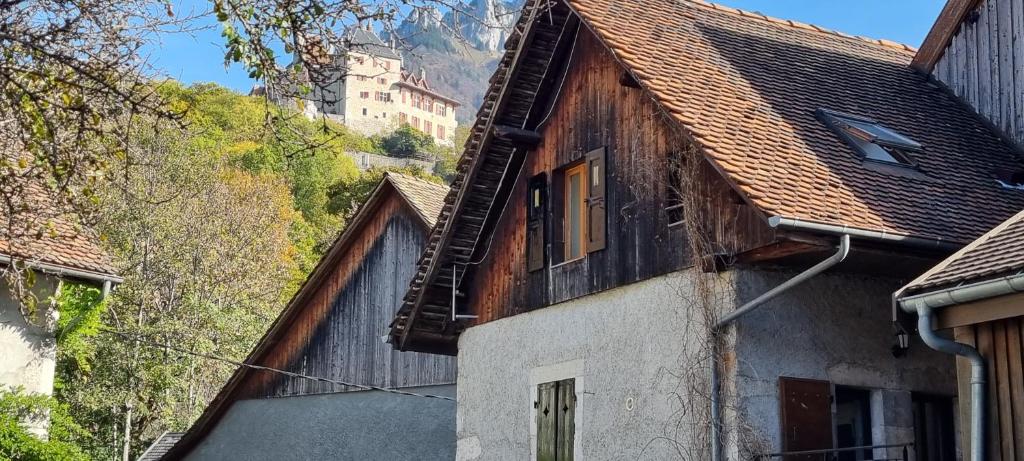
{"x": 806, "y": 415}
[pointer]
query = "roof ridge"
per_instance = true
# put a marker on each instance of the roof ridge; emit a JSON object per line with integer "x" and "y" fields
{"x": 801, "y": 25}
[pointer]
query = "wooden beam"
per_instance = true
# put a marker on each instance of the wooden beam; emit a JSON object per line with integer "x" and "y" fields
{"x": 779, "y": 250}
{"x": 518, "y": 136}
{"x": 946, "y": 26}
{"x": 986, "y": 310}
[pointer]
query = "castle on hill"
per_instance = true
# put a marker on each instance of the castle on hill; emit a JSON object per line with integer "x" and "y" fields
{"x": 376, "y": 94}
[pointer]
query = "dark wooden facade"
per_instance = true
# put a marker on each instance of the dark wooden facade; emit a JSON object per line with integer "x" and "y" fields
{"x": 570, "y": 96}
{"x": 338, "y": 334}
{"x": 596, "y": 109}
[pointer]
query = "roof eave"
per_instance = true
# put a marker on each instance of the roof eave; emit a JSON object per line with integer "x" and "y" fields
{"x": 963, "y": 294}
{"x": 65, "y": 271}
{"x": 942, "y": 32}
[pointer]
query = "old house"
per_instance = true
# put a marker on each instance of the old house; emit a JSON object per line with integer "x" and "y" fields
{"x": 332, "y": 332}
{"x": 675, "y": 234}
{"x": 28, "y": 348}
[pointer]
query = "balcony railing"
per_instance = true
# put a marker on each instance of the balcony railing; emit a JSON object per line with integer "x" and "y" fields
{"x": 841, "y": 454}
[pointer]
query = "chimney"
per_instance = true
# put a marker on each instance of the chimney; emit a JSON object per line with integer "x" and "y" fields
{"x": 423, "y": 73}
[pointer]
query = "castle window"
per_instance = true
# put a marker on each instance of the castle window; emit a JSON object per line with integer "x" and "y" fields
{"x": 416, "y": 122}
{"x": 440, "y": 131}
{"x": 382, "y": 80}
{"x": 428, "y": 126}
{"x": 364, "y": 95}
{"x": 364, "y": 111}
{"x": 402, "y": 118}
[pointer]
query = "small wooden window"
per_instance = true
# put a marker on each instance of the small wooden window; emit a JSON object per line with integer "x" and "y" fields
{"x": 578, "y": 205}
{"x": 556, "y": 420}
{"x": 575, "y": 212}
{"x": 536, "y": 209}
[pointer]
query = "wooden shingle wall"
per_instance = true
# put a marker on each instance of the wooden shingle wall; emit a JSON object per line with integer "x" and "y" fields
{"x": 984, "y": 64}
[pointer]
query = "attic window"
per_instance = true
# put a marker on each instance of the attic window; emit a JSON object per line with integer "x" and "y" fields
{"x": 872, "y": 140}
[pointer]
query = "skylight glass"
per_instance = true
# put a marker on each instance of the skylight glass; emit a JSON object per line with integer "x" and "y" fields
{"x": 870, "y": 139}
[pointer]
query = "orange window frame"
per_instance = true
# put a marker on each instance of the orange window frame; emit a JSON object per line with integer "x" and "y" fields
{"x": 567, "y": 213}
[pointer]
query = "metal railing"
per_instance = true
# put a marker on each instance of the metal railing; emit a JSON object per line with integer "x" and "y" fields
{"x": 835, "y": 454}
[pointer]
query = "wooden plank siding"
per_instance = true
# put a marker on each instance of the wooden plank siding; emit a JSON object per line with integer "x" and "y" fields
{"x": 337, "y": 334}
{"x": 984, "y": 64}
{"x": 596, "y": 110}
{"x": 1001, "y": 342}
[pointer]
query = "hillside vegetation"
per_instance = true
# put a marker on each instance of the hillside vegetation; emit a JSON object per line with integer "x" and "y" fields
{"x": 214, "y": 227}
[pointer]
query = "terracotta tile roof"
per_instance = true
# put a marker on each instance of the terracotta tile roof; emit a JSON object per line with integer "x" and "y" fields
{"x": 54, "y": 239}
{"x": 426, "y": 197}
{"x": 998, "y": 253}
{"x": 746, "y": 87}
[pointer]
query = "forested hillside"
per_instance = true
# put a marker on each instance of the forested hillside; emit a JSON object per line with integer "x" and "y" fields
{"x": 214, "y": 227}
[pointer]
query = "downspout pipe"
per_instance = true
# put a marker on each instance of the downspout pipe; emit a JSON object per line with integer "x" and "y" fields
{"x": 924, "y": 306}
{"x": 716, "y": 412}
{"x": 978, "y": 378}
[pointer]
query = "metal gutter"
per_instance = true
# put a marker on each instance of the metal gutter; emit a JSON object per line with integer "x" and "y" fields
{"x": 64, "y": 271}
{"x": 927, "y": 243}
{"x": 962, "y": 294}
{"x": 716, "y": 418}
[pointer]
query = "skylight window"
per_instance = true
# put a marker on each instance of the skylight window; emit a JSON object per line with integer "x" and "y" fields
{"x": 870, "y": 139}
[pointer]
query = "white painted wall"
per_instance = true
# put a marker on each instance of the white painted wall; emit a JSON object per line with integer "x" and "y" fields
{"x": 629, "y": 347}
{"x": 622, "y": 347}
{"x": 28, "y": 352}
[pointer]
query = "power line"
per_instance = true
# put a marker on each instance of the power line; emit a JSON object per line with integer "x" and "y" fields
{"x": 269, "y": 369}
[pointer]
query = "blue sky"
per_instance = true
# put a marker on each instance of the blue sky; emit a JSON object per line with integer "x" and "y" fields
{"x": 198, "y": 57}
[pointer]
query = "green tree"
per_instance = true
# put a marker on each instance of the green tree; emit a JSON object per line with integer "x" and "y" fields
{"x": 18, "y": 409}
{"x": 407, "y": 142}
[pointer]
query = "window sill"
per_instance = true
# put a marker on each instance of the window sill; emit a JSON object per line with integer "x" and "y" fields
{"x": 566, "y": 263}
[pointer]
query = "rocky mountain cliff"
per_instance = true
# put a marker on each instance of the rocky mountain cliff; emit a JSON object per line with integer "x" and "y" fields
{"x": 459, "y": 48}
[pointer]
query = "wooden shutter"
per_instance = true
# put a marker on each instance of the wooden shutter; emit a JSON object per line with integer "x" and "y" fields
{"x": 596, "y": 180}
{"x": 557, "y": 218}
{"x": 547, "y": 421}
{"x": 536, "y": 210}
{"x": 806, "y": 416}
{"x": 566, "y": 419}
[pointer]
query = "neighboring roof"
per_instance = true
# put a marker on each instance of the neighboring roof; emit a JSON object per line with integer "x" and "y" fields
{"x": 54, "y": 243}
{"x": 423, "y": 197}
{"x": 998, "y": 253}
{"x": 746, "y": 88}
{"x": 942, "y": 32}
{"x": 410, "y": 80}
{"x": 161, "y": 446}
{"x": 426, "y": 197}
{"x": 358, "y": 39}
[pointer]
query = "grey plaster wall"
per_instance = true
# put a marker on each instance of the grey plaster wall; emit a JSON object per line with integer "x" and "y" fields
{"x": 624, "y": 347}
{"x": 632, "y": 348}
{"x": 364, "y": 425}
{"x": 836, "y": 328}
